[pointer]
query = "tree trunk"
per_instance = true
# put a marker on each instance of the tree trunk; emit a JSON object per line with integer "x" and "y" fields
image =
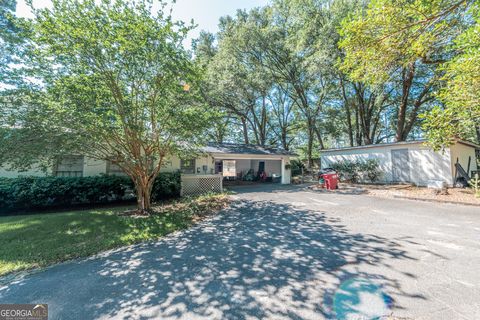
{"x": 348, "y": 113}
{"x": 310, "y": 146}
{"x": 376, "y": 122}
{"x": 319, "y": 137}
{"x": 143, "y": 186}
{"x": 364, "y": 113}
{"x": 245, "y": 130}
{"x": 407, "y": 78}
{"x": 284, "y": 138}
{"x": 358, "y": 135}
{"x": 421, "y": 99}
{"x": 263, "y": 123}
{"x": 478, "y": 134}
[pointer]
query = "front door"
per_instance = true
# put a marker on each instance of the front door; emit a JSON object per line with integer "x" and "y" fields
{"x": 261, "y": 167}
{"x": 218, "y": 166}
{"x": 400, "y": 165}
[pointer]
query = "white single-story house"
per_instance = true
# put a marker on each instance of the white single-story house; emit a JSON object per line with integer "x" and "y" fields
{"x": 410, "y": 162}
{"x": 232, "y": 161}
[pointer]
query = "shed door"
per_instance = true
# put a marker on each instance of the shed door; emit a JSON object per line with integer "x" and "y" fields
{"x": 400, "y": 165}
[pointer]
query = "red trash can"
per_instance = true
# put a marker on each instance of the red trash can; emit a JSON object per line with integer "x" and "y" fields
{"x": 331, "y": 181}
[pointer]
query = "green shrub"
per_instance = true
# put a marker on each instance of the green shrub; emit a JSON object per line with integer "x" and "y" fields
{"x": 347, "y": 170}
{"x": 33, "y": 193}
{"x": 36, "y": 193}
{"x": 353, "y": 170}
{"x": 167, "y": 186}
{"x": 296, "y": 166}
{"x": 475, "y": 185}
{"x": 371, "y": 169}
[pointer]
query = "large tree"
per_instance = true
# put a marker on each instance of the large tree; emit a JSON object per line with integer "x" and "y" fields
{"x": 459, "y": 115}
{"x": 266, "y": 40}
{"x": 402, "y": 43}
{"x": 240, "y": 84}
{"x": 284, "y": 116}
{"x": 11, "y": 39}
{"x": 355, "y": 108}
{"x": 119, "y": 87}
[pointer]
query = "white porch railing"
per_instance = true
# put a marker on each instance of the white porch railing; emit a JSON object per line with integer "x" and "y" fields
{"x": 193, "y": 184}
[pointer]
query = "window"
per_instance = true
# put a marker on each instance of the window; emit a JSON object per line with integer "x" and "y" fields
{"x": 69, "y": 166}
{"x": 187, "y": 166}
{"x": 114, "y": 170}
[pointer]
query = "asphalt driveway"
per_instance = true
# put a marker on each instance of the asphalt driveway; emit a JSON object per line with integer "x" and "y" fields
{"x": 283, "y": 253}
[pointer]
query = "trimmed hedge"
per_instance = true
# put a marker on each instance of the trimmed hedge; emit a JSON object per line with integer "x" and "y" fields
{"x": 38, "y": 193}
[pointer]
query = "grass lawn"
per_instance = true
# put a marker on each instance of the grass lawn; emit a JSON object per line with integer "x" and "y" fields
{"x": 32, "y": 241}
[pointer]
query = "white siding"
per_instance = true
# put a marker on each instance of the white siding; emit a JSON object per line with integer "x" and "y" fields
{"x": 33, "y": 172}
{"x": 204, "y": 161}
{"x": 424, "y": 163}
{"x": 383, "y": 156}
{"x": 171, "y": 164}
{"x": 254, "y": 165}
{"x": 92, "y": 167}
{"x": 463, "y": 153}
{"x": 273, "y": 167}
{"x": 286, "y": 173}
{"x": 96, "y": 167}
{"x": 243, "y": 165}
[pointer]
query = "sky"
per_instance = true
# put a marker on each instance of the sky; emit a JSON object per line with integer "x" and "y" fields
{"x": 205, "y": 13}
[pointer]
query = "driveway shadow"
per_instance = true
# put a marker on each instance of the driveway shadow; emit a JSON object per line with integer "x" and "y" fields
{"x": 255, "y": 260}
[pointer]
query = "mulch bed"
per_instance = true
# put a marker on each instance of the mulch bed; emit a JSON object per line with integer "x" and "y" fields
{"x": 199, "y": 207}
{"x": 453, "y": 195}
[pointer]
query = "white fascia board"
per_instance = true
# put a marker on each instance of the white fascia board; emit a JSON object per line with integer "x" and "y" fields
{"x": 225, "y": 156}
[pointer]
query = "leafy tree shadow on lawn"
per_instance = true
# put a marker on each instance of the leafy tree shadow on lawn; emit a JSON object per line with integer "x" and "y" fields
{"x": 255, "y": 260}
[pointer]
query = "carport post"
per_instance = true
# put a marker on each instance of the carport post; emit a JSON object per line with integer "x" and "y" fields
{"x": 284, "y": 172}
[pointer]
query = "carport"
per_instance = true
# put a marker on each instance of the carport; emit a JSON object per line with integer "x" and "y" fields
{"x": 250, "y": 163}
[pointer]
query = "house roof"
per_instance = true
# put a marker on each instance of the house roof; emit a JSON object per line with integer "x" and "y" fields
{"x": 235, "y": 148}
{"x": 381, "y": 145}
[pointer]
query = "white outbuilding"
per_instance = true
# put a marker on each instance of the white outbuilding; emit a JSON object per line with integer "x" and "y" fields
{"x": 411, "y": 162}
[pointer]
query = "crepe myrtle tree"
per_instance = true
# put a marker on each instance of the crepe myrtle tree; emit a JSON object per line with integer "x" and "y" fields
{"x": 118, "y": 85}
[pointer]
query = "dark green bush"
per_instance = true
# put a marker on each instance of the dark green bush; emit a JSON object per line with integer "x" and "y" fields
{"x": 37, "y": 193}
{"x": 33, "y": 193}
{"x": 296, "y": 167}
{"x": 167, "y": 186}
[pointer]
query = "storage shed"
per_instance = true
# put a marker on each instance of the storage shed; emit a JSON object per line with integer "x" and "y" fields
{"x": 412, "y": 161}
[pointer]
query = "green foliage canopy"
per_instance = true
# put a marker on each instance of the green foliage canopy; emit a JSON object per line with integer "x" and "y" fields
{"x": 390, "y": 34}
{"x": 113, "y": 87}
{"x": 459, "y": 116}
